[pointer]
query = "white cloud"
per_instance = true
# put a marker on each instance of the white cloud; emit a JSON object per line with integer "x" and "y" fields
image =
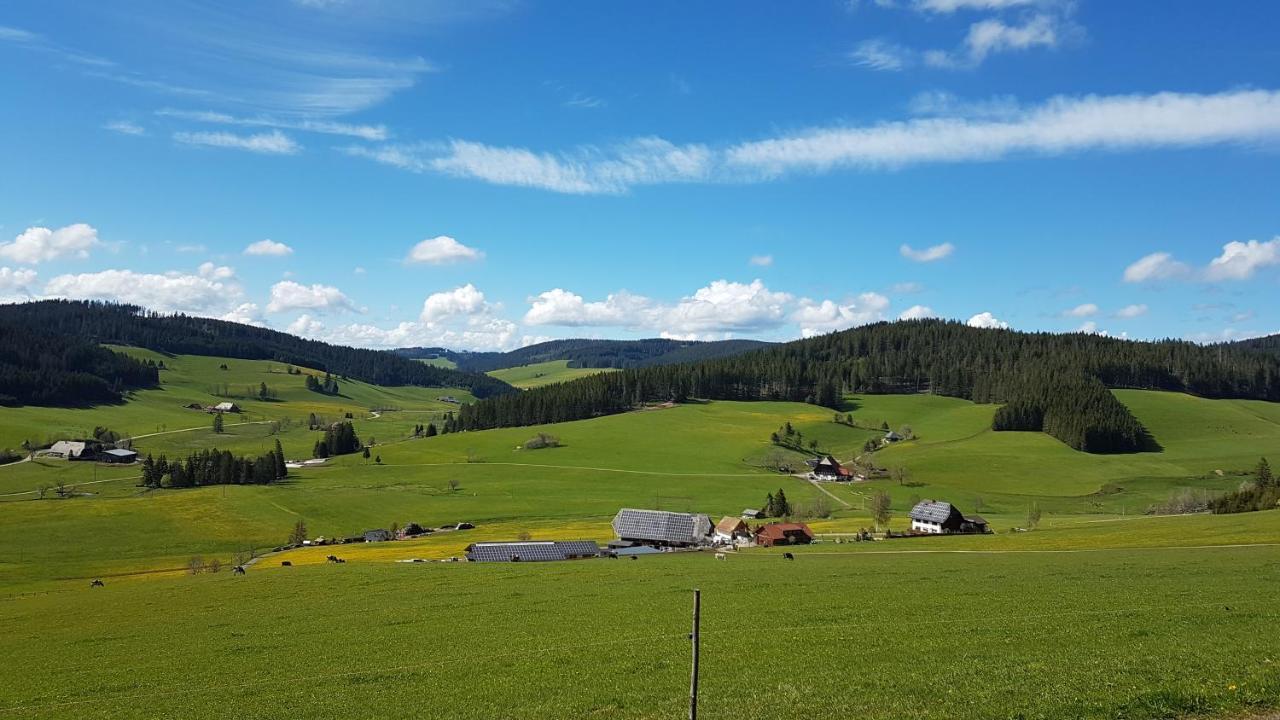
{"x": 1156, "y": 266}
{"x": 305, "y": 326}
{"x": 937, "y": 252}
{"x": 209, "y": 293}
{"x": 950, "y": 6}
{"x": 125, "y": 127}
{"x": 1089, "y": 327}
{"x": 761, "y": 260}
{"x": 461, "y": 301}
{"x": 1080, "y": 311}
{"x": 816, "y": 318}
{"x": 917, "y": 312}
{"x": 364, "y": 132}
{"x": 268, "y": 247}
{"x": 1239, "y": 260}
{"x": 215, "y": 272}
{"x": 288, "y": 295}
{"x": 725, "y": 306}
{"x": 270, "y": 143}
{"x": 40, "y": 244}
{"x": 881, "y": 55}
{"x": 1131, "y": 311}
{"x": 442, "y": 250}
{"x": 15, "y": 284}
{"x": 987, "y": 320}
{"x": 561, "y": 307}
{"x": 244, "y": 313}
{"x": 992, "y": 36}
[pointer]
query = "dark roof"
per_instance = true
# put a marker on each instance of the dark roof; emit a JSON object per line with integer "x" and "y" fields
{"x": 530, "y": 551}
{"x": 931, "y": 511}
{"x": 975, "y": 519}
{"x": 661, "y": 526}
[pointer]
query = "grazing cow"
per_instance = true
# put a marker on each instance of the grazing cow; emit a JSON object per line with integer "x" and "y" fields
{"x": 285, "y": 563}
{"x": 633, "y": 557}
{"x": 332, "y": 558}
{"x": 237, "y": 570}
{"x": 788, "y": 556}
{"x": 340, "y": 561}
{"x": 721, "y": 556}
{"x": 97, "y": 583}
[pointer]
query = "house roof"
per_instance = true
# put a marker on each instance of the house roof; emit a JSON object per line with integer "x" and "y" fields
{"x": 224, "y": 405}
{"x": 975, "y": 519}
{"x": 777, "y": 531}
{"x": 932, "y": 511}
{"x": 120, "y": 452}
{"x": 68, "y": 447}
{"x": 891, "y": 435}
{"x": 661, "y": 526}
{"x": 751, "y": 512}
{"x": 828, "y": 460}
{"x": 730, "y": 525}
{"x": 529, "y": 551}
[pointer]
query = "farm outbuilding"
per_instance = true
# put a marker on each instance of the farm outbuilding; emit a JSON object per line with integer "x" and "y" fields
{"x": 662, "y": 528}
{"x": 730, "y": 530}
{"x": 72, "y": 450}
{"x": 120, "y": 455}
{"x": 783, "y": 534}
{"x": 378, "y": 535}
{"x": 226, "y": 407}
{"x": 930, "y": 517}
{"x": 531, "y": 551}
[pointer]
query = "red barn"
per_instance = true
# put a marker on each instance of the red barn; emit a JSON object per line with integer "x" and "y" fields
{"x": 783, "y": 534}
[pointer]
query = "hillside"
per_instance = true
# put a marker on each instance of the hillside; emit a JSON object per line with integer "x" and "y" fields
{"x": 1268, "y": 344}
{"x": 543, "y": 373}
{"x": 108, "y": 324}
{"x": 592, "y": 353}
{"x": 1047, "y": 382}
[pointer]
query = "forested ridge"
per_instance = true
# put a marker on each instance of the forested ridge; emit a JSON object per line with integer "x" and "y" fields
{"x": 1050, "y": 382}
{"x": 582, "y": 353}
{"x": 69, "y": 329}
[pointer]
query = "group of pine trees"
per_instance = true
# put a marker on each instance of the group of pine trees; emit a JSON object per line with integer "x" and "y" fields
{"x": 1262, "y": 493}
{"x": 777, "y": 506}
{"x": 214, "y": 467}
{"x": 38, "y": 367}
{"x": 339, "y": 439}
{"x": 328, "y": 386}
{"x": 428, "y": 430}
{"x": 1055, "y": 383}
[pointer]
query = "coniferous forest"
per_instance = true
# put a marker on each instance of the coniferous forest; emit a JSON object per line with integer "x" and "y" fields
{"x": 1054, "y": 383}
{"x": 50, "y": 354}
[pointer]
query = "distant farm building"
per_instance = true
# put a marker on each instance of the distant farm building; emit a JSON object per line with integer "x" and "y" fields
{"x": 730, "y": 530}
{"x": 941, "y": 518}
{"x": 783, "y": 534}
{"x": 119, "y": 455}
{"x": 893, "y": 437}
{"x": 225, "y": 407}
{"x": 72, "y": 450}
{"x": 378, "y": 535}
{"x": 828, "y": 468}
{"x": 530, "y": 551}
{"x": 752, "y": 514}
{"x": 662, "y": 528}
{"x": 448, "y": 399}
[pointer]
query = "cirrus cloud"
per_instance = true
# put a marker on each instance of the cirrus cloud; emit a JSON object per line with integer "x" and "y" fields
{"x": 929, "y": 254}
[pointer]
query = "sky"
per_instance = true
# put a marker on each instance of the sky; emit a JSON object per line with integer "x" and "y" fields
{"x": 484, "y": 174}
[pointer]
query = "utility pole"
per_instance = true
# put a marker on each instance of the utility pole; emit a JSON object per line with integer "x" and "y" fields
{"x": 693, "y": 677}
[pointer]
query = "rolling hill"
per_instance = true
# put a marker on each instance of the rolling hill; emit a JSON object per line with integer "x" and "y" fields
{"x": 592, "y": 353}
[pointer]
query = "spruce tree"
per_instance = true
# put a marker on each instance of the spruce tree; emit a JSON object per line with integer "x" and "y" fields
{"x": 281, "y": 470}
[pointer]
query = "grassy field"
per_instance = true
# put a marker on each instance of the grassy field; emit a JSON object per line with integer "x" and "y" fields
{"x": 440, "y": 362}
{"x": 544, "y": 373}
{"x": 1122, "y": 633}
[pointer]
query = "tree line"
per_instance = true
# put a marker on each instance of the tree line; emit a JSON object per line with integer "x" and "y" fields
{"x": 1056, "y": 383}
{"x": 63, "y": 325}
{"x": 339, "y": 439}
{"x": 585, "y": 353}
{"x": 214, "y": 467}
{"x": 39, "y": 367}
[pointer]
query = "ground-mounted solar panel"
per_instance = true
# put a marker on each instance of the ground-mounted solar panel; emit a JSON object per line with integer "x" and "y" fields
{"x": 528, "y": 551}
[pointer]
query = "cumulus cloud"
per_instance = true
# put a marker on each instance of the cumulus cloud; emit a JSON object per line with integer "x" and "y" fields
{"x": 460, "y": 301}
{"x": 215, "y": 272}
{"x": 288, "y": 295}
{"x": 761, "y": 260}
{"x": 1239, "y": 260}
{"x": 816, "y": 318}
{"x": 270, "y": 143}
{"x": 268, "y": 247}
{"x": 1156, "y": 266}
{"x": 1131, "y": 311}
{"x": 568, "y": 309}
{"x": 930, "y": 254}
{"x": 442, "y": 250}
{"x": 987, "y": 320}
{"x": 917, "y": 312}
{"x": 728, "y": 307}
{"x": 208, "y": 293}
{"x": 40, "y": 244}
{"x": 15, "y": 284}
{"x": 1080, "y": 311}
{"x": 244, "y": 313}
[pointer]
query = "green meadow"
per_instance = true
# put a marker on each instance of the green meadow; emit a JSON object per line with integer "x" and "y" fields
{"x": 543, "y": 373}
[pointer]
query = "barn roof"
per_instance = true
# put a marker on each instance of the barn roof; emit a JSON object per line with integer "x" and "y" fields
{"x": 730, "y": 525}
{"x": 661, "y": 526}
{"x": 120, "y": 452}
{"x": 777, "y": 531}
{"x": 932, "y": 511}
{"x": 529, "y": 551}
{"x": 68, "y": 447}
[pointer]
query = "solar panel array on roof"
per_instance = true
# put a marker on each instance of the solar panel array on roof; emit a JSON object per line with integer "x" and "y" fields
{"x": 930, "y": 511}
{"x": 531, "y": 551}
{"x": 661, "y": 526}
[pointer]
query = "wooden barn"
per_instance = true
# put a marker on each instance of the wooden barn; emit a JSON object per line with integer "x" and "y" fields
{"x": 730, "y": 530}
{"x": 828, "y": 468}
{"x": 783, "y": 534}
{"x": 660, "y": 528}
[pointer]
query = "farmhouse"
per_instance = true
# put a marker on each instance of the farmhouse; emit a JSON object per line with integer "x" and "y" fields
{"x": 72, "y": 450}
{"x": 730, "y": 530}
{"x": 661, "y": 528}
{"x": 530, "y": 551}
{"x": 893, "y": 437}
{"x": 828, "y": 468}
{"x": 941, "y": 518}
{"x": 752, "y": 514}
{"x": 783, "y": 534}
{"x": 225, "y": 407}
{"x": 120, "y": 455}
{"x": 378, "y": 535}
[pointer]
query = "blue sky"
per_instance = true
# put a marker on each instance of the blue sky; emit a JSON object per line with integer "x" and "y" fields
{"x": 484, "y": 174}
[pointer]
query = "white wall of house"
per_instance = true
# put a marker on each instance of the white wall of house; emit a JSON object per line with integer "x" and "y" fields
{"x": 924, "y": 526}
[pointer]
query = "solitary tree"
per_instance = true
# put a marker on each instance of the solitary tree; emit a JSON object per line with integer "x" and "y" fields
{"x": 1265, "y": 477}
{"x": 881, "y": 508}
{"x": 298, "y": 533}
{"x": 217, "y": 423}
{"x": 365, "y": 454}
{"x": 453, "y": 484}
{"x": 281, "y": 469}
{"x": 1033, "y": 515}
{"x": 900, "y": 475}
